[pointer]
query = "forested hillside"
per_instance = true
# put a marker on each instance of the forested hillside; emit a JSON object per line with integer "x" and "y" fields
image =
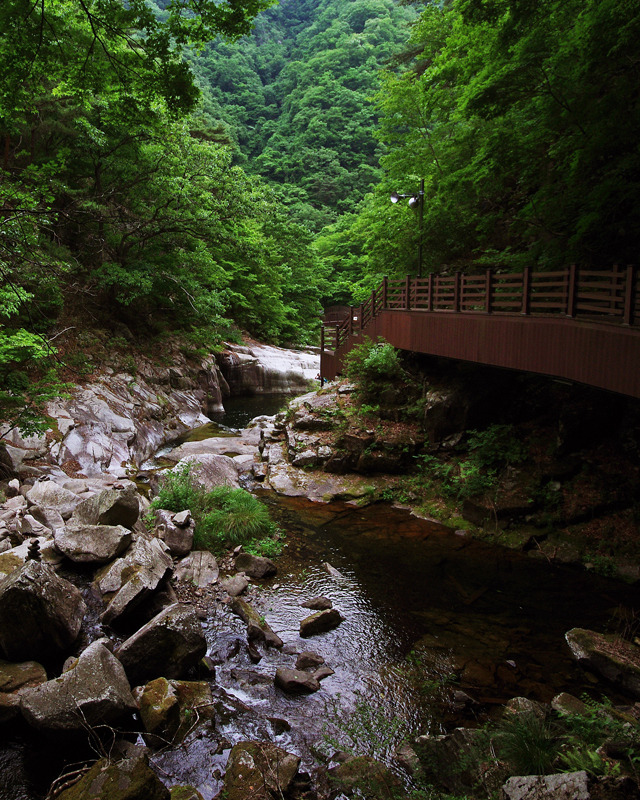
{"x": 165, "y": 168}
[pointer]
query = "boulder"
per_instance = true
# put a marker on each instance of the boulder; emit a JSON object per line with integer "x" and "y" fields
{"x": 566, "y": 786}
{"x": 260, "y": 771}
{"x": 14, "y": 680}
{"x": 320, "y": 622}
{"x": 309, "y": 660}
{"x": 211, "y": 470}
{"x": 177, "y": 537}
{"x": 296, "y": 681}
{"x": 40, "y": 613}
{"x": 167, "y": 646}
{"x": 366, "y": 777}
{"x": 109, "y": 507}
{"x": 255, "y": 566}
{"x": 92, "y": 544}
{"x": 170, "y": 709}
{"x": 257, "y": 627}
{"x": 615, "y": 659}
{"x": 235, "y": 585}
{"x": 94, "y": 691}
{"x": 200, "y": 568}
{"x": 323, "y": 672}
{"x": 48, "y": 495}
{"x": 134, "y": 577}
{"x": 185, "y": 793}
{"x": 129, "y": 779}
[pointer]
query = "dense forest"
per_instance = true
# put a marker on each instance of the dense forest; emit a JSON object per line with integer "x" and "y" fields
{"x": 204, "y": 167}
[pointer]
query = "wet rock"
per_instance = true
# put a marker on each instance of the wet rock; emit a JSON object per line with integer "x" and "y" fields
{"x": 165, "y": 647}
{"x": 323, "y": 672}
{"x": 47, "y": 494}
{"x": 200, "y": 568}
{"x": 295, "y": 681}
{"x": 260, "y": 771}
{"x": 255, "y": 566}
{"x": 320, "y": 622}
{"x": 129, "y": 779}
{"x": 257, "y": 627}
{"x": 93, "y": 692}
{"x": 177, "y": 537}
{"x": 134, "y": 577}
{"x": 109, "y": 507}
{"x": 40, "y": 613}
{"x": 92, "y": 544}
{"x": 309, "y": 660}
{"x": 567, "y": 786}
{"x": 330, "y": 570}
{"x": 318, "y": 604}
{"x": 366, "y": 776}
{"x": 235, "y": 585}
{"x": 615, "y": 659}
{"x": 159, "y": 710}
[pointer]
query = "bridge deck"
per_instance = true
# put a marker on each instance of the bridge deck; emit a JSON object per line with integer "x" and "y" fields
{"x": 599, "y": 346}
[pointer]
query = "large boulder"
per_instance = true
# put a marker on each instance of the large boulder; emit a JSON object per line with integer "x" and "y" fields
{"x": 129, "y": 779}
{"x": 14, "y": 680}
{"x": 200, "y": 568}
{"x": 109, "y": 507}
{"x": 94, "y": 691}
{"x": 40, "y": 613}
{"x": 615, "y": 659}
{"x": 211, "y": 470}
{"x": 296, "y": 681}
{"x": 260, "y": 771}
{"x": 175, "y": 530}
{"x": 49, "y": 495}
{"x": 565, "y": 786}
{"x": 167, "y": 646}
{"x": 92, "y": 544}
{"x": 171, "y": 709}
{"x": 134, "y": 578}
{"x": 365, "y": 777}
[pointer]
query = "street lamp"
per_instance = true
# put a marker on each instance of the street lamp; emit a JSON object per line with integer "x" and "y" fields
{"x": 415, "y": 201}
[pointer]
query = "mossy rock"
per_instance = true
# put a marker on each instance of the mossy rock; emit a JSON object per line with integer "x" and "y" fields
{"x": 366, "y": 776}
{"x": 131, "y": 779}
{"x": 185, "y": 793}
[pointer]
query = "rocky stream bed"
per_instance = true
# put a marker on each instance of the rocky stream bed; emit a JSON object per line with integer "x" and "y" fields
{"x": 135, "y": 667}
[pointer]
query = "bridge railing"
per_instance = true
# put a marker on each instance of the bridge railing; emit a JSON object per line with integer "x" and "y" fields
{"x": 608, "y": 296}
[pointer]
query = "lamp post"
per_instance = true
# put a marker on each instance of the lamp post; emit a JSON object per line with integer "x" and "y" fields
{"x": 415, "y": 201}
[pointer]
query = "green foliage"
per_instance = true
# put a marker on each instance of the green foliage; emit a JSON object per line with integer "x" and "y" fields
{"x": 496, "y": 445}
{"x": 529, "y": 743}
{"x": 371, "y": 364}
{"x": 224, "y": 516}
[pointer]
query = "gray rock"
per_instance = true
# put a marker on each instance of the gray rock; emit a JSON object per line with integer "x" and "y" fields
{"x": 565, "y": 703}
{"x": 257, "y": 627}
{"x": 182, "y": 519}
{"x": 49, "y": 517}
{"x": 93, "y": 692}
{"x": 109, "y": 507}
{"x": 40, "y": 613}
{"x": 566, "y": 786}
{"x": 200, "y": 568}
{"x": 92, "y": 544}
{"x": 295, "y": 681}
{"x": 308, "y": 660}
{"x": 615, "y": 659}
{"x": 307, "y": 458}
{"x": 15, "y": 679}
{"x": 235, "y": 585}
{"x": 320, "y": 622}
{"x": 134, "y": 577}
{"x": 211, "y": 470}
{"x": 167, "y": 646}
{"x": 47, "y": 494}
{"x": 255, "y": 566}
{"x": 178, "y": 538}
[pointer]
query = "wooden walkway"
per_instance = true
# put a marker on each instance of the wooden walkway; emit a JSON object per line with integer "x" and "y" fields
{"x": 576, "y": 324}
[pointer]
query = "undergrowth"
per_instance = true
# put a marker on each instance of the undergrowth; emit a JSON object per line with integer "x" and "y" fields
{"x": 224, "y": 516}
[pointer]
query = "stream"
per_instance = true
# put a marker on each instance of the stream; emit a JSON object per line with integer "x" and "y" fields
{"x": 439, "y": 631}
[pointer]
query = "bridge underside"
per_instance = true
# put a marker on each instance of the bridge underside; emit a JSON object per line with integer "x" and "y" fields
{"x": 604, "y": 356}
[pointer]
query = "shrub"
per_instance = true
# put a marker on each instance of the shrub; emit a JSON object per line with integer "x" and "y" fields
{"x": 223, "y": 516}
{"x": 370, "y": 363}
{"x": 528, "y": 743}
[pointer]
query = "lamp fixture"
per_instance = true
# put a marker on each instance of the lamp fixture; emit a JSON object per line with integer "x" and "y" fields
{"x": 416, "y": 201}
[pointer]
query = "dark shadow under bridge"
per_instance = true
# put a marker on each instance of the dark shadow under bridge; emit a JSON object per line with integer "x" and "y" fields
{"x": 575, "y": 324}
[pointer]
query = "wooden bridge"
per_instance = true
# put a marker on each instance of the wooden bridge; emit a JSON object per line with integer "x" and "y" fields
{"x": 576, "y": 324}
